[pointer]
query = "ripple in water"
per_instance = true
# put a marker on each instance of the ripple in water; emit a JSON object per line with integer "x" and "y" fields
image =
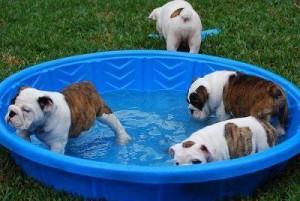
{"x": 154, "y": 120}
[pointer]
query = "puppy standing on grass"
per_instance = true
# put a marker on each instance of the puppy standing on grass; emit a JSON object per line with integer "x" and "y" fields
{"x": 54, "y": 117}
{"x": 229, "y": 93}
{"x": 178, "y": 23}
{"x": 225, "y": 140}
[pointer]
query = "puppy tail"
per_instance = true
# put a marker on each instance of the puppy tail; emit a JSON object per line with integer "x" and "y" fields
{"x": 185, "y": 13}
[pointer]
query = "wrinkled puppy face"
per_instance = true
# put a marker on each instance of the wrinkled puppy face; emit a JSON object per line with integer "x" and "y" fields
{"x": 27, "y": 109}
{"x": 197, "y": 98}
{"x": 189, "y": 153}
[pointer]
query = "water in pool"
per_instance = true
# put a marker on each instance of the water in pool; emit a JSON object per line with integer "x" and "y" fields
{"x": 154, "y": 120}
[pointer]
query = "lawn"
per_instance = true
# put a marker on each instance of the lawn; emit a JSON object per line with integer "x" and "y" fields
{"x": 260, "y": 32}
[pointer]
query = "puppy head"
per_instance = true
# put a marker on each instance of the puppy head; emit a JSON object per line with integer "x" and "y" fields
{"x": 189, "y": 152}
{"x": 154, "y": 15}
{"x": 197, "y": 98}
{"x": 28, "y": 109}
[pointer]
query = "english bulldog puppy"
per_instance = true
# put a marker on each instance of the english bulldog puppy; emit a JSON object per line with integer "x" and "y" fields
{"x": 178, "y": 23}
{"x": 229, "y": 93}
{"x": 225, "y": 140}
{"x": 56, "y": 116}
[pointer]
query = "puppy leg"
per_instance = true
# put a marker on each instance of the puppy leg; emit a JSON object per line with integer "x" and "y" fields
{"x": 221, "y": 114}
{"x": 24, "y": 135}
{"x": 194, "y": 43}
{"x": 58, "y": 147}
{"x": 173, "y": 43}
{"x": 109, "y": 119}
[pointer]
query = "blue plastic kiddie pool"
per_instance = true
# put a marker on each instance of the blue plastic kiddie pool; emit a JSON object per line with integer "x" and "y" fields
{"x": 143, "y": 71}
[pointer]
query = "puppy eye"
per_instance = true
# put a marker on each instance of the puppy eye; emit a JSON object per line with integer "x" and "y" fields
{"x": 196, "y": 161}
{"x": 25, "y": 110}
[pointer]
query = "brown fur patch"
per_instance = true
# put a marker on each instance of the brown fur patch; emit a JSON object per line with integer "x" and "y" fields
{"x": 13, "y": 100}
{"x": 176, "y": 12}
{"x": 199, "y": 98}
{"x": 239, "y": 140}
{"x": 246, "y": 95}
{"x": 202, "y": 93}
{"x": 188, "y": 144}
{"x": 272, "y": 137}
{"x": 85, "y": 105}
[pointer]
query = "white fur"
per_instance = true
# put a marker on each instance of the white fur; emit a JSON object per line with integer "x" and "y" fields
{"x": 114, "y": 124}
{"x": 186, "y": 27}
{"x": 213, "y": 137}
{"x": 54, "y": 121}
{"x": 214, "y": 84}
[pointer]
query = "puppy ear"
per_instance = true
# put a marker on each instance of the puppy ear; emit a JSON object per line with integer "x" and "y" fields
{"x": 45, "y": 103}
{"x": 202, "y": 93}
{"x": 171, "y": 151}
{"x": 206, "y": 152}
{"x": 13, "y": 100}
{"x": 154, "y": 13}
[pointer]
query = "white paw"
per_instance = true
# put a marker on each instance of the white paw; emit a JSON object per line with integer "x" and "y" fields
{"x": 123, "y": 138}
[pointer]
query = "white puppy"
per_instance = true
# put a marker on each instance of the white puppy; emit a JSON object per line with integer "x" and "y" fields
{"x": 178, "y": 23}
{"x": 225, "y": 140}
{"x": 54, "y": 117}
{"x": 230, "y": 93}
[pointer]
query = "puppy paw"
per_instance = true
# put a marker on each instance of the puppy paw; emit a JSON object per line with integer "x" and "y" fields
{"x": 123, "y": 138}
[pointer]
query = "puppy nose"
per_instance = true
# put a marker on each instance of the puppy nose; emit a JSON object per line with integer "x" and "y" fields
{"x": 12, "y": 114}
{"x": 192, "y": 111}
{"x": 176, "y": 163}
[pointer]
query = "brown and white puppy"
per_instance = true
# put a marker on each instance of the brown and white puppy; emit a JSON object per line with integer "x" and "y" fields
{"x": 179, "y": 24}
{"x": 225, "y": 140}
{"x": 229, "y": 93}
{"x": 56, "y": 116}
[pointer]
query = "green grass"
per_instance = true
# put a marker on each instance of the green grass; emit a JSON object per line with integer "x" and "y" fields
{"x": 260, "y": 32}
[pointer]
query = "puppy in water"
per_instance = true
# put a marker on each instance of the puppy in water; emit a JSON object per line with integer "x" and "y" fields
{"x": 56, "y": 116}
{"x": 229, "y": 93}
{"x": 225, "y": 140}
{"x": 179, "y": 24}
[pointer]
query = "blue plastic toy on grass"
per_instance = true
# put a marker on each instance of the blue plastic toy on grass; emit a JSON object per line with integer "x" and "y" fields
{"x": 204, "y": 34}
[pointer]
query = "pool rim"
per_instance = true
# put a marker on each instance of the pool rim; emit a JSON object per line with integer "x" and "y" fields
{"x": 152, "y": 174}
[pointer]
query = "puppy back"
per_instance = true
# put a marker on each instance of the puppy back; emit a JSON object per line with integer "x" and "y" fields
{"x": 246, "y": 95}
{"x": 239, "y": 140}
{"x": 85, "y": 105}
